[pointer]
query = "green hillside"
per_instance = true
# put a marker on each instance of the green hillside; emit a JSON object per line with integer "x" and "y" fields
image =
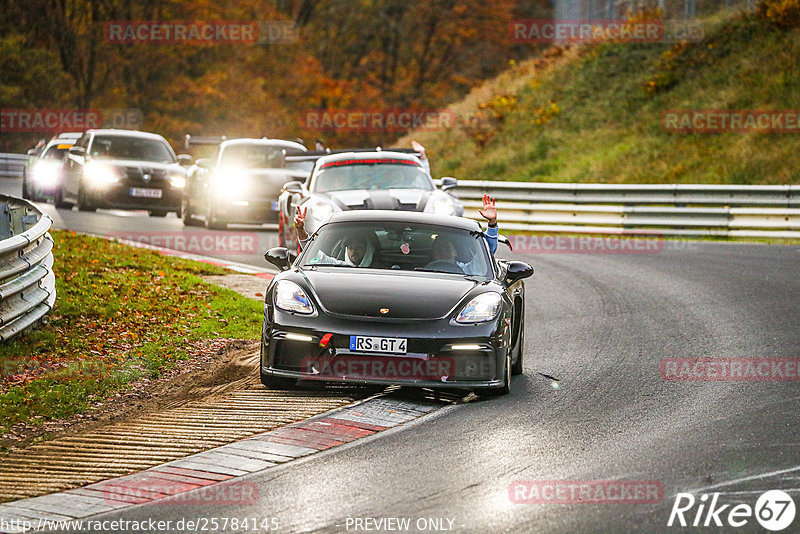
{"x": 594, "y": 113}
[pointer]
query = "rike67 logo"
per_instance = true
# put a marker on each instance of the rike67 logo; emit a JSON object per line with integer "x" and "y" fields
{"x": 774, "y": 511}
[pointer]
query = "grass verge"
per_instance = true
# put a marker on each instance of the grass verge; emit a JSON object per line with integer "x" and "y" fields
{"x": 122, "y": 314}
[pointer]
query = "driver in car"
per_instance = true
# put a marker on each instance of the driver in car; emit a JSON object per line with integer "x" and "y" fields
{"x": 444, "y": 250}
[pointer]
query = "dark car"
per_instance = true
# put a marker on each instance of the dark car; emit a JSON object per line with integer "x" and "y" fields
{"x": 395, "y": 298}
{"x": 41, "y": 174}
{"x": 375, "y": 180}
{"x": 122, "y": 169}
{"x": 240, "y": 185}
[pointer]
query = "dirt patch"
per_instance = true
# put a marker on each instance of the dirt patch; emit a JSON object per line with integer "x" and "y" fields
{"x": 247, "y": 285}
{"x": 213, "y": 366}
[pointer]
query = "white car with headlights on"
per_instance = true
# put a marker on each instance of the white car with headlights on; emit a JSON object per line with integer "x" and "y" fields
{"x": 377, "y": 180}
{"x": 240, "y": 184}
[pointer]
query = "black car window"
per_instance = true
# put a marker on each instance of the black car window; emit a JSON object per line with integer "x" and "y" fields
{"x": 370, "y": 174}
{"x": 399, "y": 246}
{"x": 134, "y": 148}
{"x": 255, "y": 156}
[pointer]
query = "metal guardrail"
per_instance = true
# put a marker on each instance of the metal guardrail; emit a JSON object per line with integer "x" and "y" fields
{"x": 27, "y": 282}
{"x": 768, "y": 211}
{"x": 11, "y": 165}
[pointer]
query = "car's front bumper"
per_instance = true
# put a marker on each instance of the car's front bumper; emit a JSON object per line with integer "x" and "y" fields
{"x": 119, "y": 196}
{"x": 440, "y": 354}
{"x": 250, "y": 211}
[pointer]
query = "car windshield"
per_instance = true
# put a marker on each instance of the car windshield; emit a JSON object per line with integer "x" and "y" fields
{"x": 57, "y": 151}
{"x": 134, "y": 148}
{"x": 399, "y": 246}
{"x": 371, "y": 174}
{"x": 252, "y": 156}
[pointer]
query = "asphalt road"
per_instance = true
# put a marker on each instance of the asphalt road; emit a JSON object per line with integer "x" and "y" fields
{"x": 591, "y": 406}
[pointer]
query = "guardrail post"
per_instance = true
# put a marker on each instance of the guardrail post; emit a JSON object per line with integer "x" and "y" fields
{"x": 5, "y": 221}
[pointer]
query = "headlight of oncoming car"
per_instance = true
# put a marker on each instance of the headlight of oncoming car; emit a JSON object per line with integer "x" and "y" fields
{"x": 444, "y": 205}
{"x": 321, "y": 211}
{"x": 482, "y": 308}
{"x": 101, "y": 174}
{"x": 177, "y": 179}
{"x": 290, "y": 297}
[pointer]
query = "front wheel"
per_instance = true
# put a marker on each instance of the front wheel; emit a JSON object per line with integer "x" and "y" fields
{"x": 25, "y": 193}
{"x": 212, "y": 221}
{"x": 58, "y": 200}
{"x": 83, "y": 201}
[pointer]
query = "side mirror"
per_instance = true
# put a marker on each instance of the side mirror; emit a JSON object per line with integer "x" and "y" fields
{"x": 504, "y": 240}
{"x": 77, "y": 150}
{"x": 517, "y": 270}
{"x": 293, "y": 187}
{"x": 204, "y": 163}
{"x": 448, "y": 182}
{"x": 32, "y": 152}
{"x": 185, "y": 159}
{"x": 279, "y": 257}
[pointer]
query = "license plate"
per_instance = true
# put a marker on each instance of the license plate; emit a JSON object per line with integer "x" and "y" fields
{"x": 275, "y": 206}
{"x": 393, "y": 345}
{"x": 143, "y": 192}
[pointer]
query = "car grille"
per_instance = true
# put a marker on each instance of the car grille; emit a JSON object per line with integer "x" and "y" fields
{"x": 135, "y": 175}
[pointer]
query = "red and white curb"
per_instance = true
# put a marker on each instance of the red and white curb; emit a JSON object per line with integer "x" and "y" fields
{"x": 210, "y": 477}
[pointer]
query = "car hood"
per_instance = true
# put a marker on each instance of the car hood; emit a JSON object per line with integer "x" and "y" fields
{"x": 360, "y": 293}
{"x": 140, "y": 164}
{"x": 382, "y": 199}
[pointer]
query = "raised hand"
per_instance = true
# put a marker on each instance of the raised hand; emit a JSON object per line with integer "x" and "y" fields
{"x": 489, "y": 212}
{"x": 300, "y": 224}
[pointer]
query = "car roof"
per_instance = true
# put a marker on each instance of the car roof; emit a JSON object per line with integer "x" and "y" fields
{"x": 261, "y": 141}
{"x": 377, "y": 154}
{"x": 128, "y": 133}
{"x": 403, "y": 216}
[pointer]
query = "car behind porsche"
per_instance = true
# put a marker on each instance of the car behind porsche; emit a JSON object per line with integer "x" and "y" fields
{"x": 395, "y": 298}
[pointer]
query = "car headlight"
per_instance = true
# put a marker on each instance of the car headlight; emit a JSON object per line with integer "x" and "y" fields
{"x": 46, "y": 172}
{"x": 444, "y": 205}
{"x": 100, "y": 174}
{"x": 177, "y": 179}
{"x": 482, "y": 308}
{"x": 230, "y": 183}
{"x": 321, "y": 211}
{"x": 290, "y": 297}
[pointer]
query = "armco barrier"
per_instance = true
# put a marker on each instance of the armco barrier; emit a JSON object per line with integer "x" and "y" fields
{"x": 769, "y": 211}
{"x": 11, "y": 165}
{"x": 27, "y": 282}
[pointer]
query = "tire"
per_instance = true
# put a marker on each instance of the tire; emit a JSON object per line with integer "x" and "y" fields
{"x": 212, "y": 222}
{"x": 83, "y": 203}
{"x": 505, "y": 389}
{"x": 58, "y": 200}
{"x": 25, "y": 194}
{"x": 278, "y": 382}
{"x": 188, "y": 215}
{"x": 157, "y": 213}
{"x": 516, "y": 367}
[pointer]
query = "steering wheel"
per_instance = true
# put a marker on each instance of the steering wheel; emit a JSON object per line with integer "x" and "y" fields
{"x": 445, "y": 266}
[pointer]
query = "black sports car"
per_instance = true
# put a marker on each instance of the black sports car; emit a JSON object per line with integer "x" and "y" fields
{"x": 122, "y": 169}
{"x": 363, "y": 180}
{"x": 395, "y": 298}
